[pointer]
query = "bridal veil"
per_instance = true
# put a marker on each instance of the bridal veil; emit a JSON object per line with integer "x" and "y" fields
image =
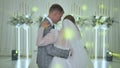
{"x": 80, "y": 58}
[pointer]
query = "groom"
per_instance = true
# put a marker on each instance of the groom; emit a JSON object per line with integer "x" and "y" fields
{"x": 46, "y": 39}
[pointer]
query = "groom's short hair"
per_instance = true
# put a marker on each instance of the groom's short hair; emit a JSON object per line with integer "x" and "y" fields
{"x": 56, "y": 7}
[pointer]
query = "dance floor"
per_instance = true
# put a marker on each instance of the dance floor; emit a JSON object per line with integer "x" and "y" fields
{"x": 6, "y": 62}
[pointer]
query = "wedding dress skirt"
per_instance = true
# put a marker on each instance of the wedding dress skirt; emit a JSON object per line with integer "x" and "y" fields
{"x": 79, "y": 60}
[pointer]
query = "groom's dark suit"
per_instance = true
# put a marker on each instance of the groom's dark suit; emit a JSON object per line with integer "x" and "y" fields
{"x": 46, "y": 53}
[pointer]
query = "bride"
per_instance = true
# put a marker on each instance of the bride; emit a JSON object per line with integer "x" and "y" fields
{"x": 69, "y": 38}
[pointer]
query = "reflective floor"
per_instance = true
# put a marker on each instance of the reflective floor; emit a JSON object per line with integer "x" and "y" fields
{"x": 100, "y": 63}
{"x": 6, "y": 62}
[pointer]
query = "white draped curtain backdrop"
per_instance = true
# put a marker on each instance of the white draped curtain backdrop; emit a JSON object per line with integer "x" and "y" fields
{"x": 83, "y": 8}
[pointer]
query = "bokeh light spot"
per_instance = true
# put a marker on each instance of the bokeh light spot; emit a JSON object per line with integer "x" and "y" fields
{"x": 68, "y": 33}
{"x": 84, "y": 7}
{"x": 87, "y": 44}
{"x": 101, "y": 6}
{"x": 35, "y": 9}
{"x": 57, "y": 66}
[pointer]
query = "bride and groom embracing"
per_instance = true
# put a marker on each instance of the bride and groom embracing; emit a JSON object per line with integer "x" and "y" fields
{"x": 60, "y": 49}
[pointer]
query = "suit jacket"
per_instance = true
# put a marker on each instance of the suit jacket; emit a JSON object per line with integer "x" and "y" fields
{"x": 46, "y": 53}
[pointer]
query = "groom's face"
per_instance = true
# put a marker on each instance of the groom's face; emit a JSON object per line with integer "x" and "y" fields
{"x": 57, "y": 17}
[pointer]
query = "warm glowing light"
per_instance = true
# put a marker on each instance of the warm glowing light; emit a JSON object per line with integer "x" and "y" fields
{"x": 110, "y": 53}
{"x": 87, "y": 44}
{"x": 35, "y": 9}
{"x": 101, "y": 6}
{"x": 16, "y": 51}
{"x": 68, "y": 33}
{"x": 27, "y": 16}
{"x": 57, "y": 66}
{"x": 84, "y": 7}
{"x": 116, "y": 55}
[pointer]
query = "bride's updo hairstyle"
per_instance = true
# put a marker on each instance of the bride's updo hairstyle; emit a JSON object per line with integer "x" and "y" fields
{"x": 70, "y": 17}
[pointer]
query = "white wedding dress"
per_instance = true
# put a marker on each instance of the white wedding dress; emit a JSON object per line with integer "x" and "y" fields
{"x": 79, "y": 58}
